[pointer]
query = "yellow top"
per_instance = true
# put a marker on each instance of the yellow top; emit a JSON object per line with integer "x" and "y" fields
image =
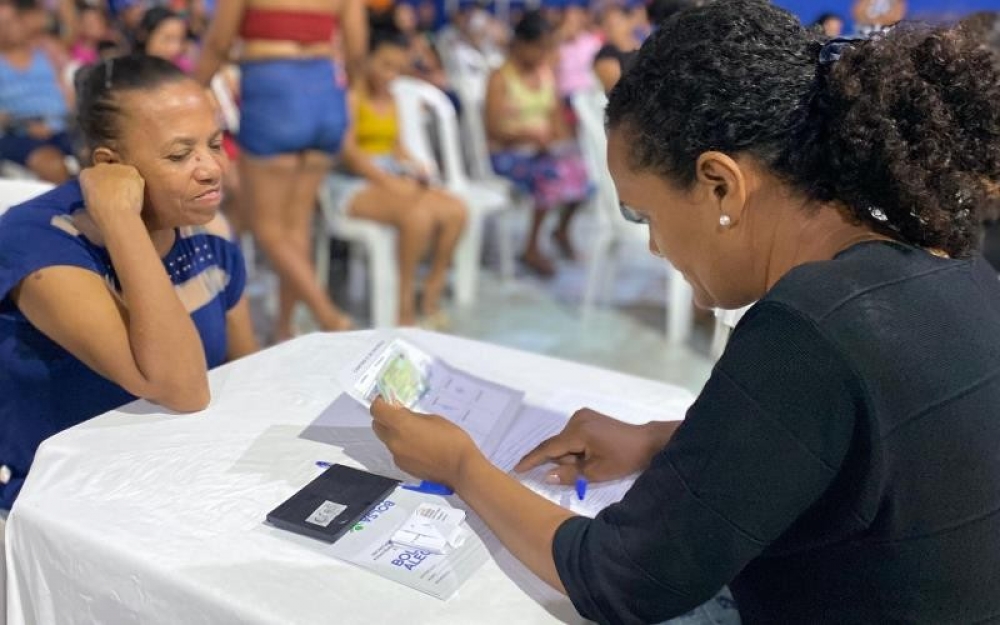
{"x": 528, "y": 108}
{"x": 376, "y": 132}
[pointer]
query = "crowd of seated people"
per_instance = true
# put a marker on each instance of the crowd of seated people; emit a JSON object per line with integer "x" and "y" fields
{"x": 585, "y": 45}
{"x": 43, "y": 46}
{"x": 34, "y": 104}
{"x": 379, "y": 180}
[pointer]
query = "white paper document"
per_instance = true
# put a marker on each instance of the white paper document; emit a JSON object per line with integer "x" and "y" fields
{"x": 370, "y": 545}
{"x": 433, "y": 550}
{"x": 532, "y": 426}
{"x": 427, "y": 384}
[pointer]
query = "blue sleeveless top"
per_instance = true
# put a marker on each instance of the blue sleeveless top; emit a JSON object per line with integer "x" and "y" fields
{"x": 43, "y": 388}
{"x": 33, "y": 92}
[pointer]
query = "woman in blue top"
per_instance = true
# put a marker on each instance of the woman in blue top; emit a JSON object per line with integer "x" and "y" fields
{"x": 32, "y": 103}
{"x": 111, "y": 288}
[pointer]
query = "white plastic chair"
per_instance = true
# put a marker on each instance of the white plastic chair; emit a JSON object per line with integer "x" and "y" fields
{"x": 614, "y": 231}
{"x": 14, "y": 192}
{"x": 377, "y": 242}
{"x": 468, "y": 72}
{"x": 415, "y": 100}
{"x": 12, "y": 171}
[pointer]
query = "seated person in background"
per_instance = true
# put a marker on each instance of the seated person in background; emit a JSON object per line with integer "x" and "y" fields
{"x": 126, "y": 15}
{"x": 33, "y": 107}
{"x": 577, "y": 46}
{"x": 622, "y": 40}
{"x": 383, "y": 183}
{"x": 473, "y": 35}
{"x": 620, "y": 45}
{"x": 110, "y": 286}
{"x": 529, "y": 141}
{"x": 163, "y": 33}
{"x": 42, "y": 29}
{"x": 642, "y": 21}
{"x": 85, "y": 30}
{"x": 831, "y": 24}
{"x": 427, "y": 16}
{"x": 91, "y": 29}
{"x": 425, "y": 63}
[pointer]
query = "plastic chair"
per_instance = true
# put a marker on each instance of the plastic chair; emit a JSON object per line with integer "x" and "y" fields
{"x": 469, "y": 72}
{"x": 12, "y": 171}
{"x": 377, "y": 242}
{"x": 613, "y": 231}
{"x": 415, "y": 100}
{"x": 14, "y": 192}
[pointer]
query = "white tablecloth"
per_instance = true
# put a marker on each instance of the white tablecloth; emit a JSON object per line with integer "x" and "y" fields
{"x": 141, "y": 516}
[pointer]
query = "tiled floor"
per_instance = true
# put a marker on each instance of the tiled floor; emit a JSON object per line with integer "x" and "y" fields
{"x": 626, "y": 332}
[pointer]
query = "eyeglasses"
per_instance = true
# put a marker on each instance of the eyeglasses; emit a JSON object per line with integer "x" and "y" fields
{"x": 631, "y": 215}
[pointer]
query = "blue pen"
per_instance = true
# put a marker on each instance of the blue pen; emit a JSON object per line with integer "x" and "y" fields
{"x": 431, "y": 488}
{"x": 581, "y": 487}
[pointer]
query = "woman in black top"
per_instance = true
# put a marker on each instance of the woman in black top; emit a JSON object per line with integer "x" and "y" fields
{"x": 621, "y": 45}
{"x": 841, "y": 464}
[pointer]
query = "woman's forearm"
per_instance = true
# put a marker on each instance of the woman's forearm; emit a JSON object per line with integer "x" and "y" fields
{"x": 525, "y": 522}
{"x": 165, "y": 344}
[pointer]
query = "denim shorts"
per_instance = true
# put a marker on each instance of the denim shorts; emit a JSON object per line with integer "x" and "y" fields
{"x": 290, "y": 106}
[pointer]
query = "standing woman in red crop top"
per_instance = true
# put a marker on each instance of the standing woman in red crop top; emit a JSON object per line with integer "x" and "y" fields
{"x": 293, "y": 118}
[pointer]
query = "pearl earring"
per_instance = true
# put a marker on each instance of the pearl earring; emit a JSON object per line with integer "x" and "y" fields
{"x": 725, "y": 220}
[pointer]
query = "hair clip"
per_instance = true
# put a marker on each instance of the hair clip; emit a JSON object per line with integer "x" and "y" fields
{"x": 832, "y": 50}
{"x": 878, "y": 214}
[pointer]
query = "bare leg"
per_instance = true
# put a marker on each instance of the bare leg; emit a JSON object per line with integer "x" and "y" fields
{"x": 49, "y": 164}
{"x": 415, "y": 226}
{"x": 561, "y": 234}
{"x": 299, "y": 223}
{"x": 271, "y": 186}
{"x": 533, "y": 257}
{"x": 450, "y": 216}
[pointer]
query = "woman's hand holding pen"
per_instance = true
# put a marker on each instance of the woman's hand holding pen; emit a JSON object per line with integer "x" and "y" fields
{"x": 599, "y": 447}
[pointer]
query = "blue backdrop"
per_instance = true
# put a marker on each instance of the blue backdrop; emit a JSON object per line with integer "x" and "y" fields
{"x": 809, "y": 10}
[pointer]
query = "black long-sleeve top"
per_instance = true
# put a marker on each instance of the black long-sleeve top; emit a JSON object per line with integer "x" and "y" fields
{"x": 841, "y": 465}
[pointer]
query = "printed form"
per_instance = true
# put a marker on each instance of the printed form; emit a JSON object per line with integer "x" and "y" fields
{"x": 429, "y": 385}
{"x": 369, "y": 545}
{"x": 496, "y": 418}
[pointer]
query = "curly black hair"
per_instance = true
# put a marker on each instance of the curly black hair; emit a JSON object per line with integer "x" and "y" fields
{"x": 532, "y": 27}
{"x": 984, "y": 26}
{"x": 903, "y": 129}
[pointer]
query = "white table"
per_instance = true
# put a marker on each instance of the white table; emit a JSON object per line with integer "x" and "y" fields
{"x": 142, "y": 516}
